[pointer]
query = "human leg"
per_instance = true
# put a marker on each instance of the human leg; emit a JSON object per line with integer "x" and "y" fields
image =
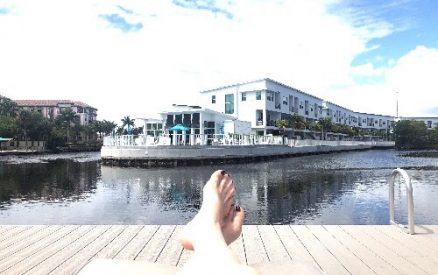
{"x": 212, "y": 255}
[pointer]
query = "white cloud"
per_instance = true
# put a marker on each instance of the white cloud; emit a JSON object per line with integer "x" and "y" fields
{"x": 63, "y": 49}
{"x": 414, "y": 77}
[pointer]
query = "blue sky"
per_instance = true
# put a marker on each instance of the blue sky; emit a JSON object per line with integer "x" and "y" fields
{"x": 354, "y": 53}
{"x": 413, "y": 22}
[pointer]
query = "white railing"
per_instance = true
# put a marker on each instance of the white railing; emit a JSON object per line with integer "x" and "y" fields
{"x": 410, "y": 195}
{"x": 192, "y": 139}
{"x": 228, "y": 139}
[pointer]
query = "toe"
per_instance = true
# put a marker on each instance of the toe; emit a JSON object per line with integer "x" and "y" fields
{"x": 216, "y": 178}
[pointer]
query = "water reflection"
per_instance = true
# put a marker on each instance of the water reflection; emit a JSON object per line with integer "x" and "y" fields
{"x": 347, "y": 188}
{"x": 52, "y": 181}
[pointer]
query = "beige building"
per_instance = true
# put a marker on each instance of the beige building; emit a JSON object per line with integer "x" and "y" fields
{"x": 52, "y": 108}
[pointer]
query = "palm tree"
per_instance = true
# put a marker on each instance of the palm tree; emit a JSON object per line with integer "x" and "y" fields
{"x": 282, "y": 124}
{"x": 108, "y": 126}
{"x": 297, "y": 122}
{"x": 127, "y": 121}
{"x": 66, "y": 119}
{"x": 326, "y": 126}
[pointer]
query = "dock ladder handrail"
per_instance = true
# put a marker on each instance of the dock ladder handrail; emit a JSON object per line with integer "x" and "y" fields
{"x": 410, "y": 194}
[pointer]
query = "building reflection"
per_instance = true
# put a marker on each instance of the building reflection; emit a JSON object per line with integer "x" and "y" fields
{"x": 53, "y": 181}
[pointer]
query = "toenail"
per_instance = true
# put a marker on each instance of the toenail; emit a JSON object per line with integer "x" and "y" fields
{"x": 237, "y": 208}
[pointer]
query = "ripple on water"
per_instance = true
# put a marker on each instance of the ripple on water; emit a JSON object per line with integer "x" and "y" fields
{"x": 344, "y": 188}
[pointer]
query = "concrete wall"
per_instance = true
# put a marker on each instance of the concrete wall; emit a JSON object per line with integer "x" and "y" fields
{"x": 230, "y": 152}
{"x": 23, "y": 145}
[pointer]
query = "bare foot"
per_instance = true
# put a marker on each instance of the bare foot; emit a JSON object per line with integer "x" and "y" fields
{"x": 230, "y": 217}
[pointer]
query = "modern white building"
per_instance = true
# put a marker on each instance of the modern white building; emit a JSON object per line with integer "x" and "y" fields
{"x": 264, "y": 101}
{"x": 200, "y": 123}
{"x": 431, "y": 122}
{"x": 252, "y": 108}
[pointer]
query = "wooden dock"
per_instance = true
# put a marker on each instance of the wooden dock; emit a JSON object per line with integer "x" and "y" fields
{"x": 336, "y": 249}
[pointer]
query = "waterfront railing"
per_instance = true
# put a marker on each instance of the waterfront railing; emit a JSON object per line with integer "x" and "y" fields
{"x": 227, "y": 140}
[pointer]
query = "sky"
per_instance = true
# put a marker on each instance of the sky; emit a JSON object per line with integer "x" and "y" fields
{"x": 137, "y": 58}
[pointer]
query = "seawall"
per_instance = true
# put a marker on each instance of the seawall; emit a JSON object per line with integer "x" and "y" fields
{"x": 172, "y": 156}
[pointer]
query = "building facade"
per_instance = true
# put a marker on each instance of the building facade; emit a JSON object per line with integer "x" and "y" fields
{"x": 263, "y": 102}
{"x": 52, "y": 108}
{"x": 431, "y": 122}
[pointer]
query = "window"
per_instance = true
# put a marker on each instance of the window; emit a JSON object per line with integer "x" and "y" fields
{"x": 213, "y": 99}
{"x": 284, "y": 100}
{"x": 229, "y": 104}
{"x": 259, "y": 95}
{"x": 243, "y": 96}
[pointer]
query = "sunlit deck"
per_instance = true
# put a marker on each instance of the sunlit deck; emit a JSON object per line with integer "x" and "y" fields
{"x": 336, "y": 249}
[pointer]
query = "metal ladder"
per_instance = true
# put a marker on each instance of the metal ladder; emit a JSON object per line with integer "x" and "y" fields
{"x": 407, "y": 180}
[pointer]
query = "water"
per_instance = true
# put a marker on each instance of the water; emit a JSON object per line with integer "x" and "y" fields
{"x": 343, "y": 188}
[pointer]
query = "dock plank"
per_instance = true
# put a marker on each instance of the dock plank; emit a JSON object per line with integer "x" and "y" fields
{"x": 336, "y": 249}
{"x": 358, "y": 232}
{"x": 73, "y": 264}
{"x": 416, "y": 242}
{"x": 172, "y": 250}
{"x": 19, "y": 241}
{"x": 39, "y": 251}
{"x": 325, "y": 259}
{"x": 402, "y": 249}
{"x": 136, "y": 244}
{"x": 77, "y": 244}
{"x": 153, "y": 248}
{"x": 238, "y": 249}
{"x": 293, "y": 245}
{"x": 15, "y": 254}
{"x": 377, "y": 264}
{"x": 273, "y": 245}
{"x": 6, "y": 228}
{"x": 185, "y": 256}
{"x": 254, "y": 249}
{"x": 346, "y": 257}
{"x": 117, "y": 245}
{"x": 15, "y": 232}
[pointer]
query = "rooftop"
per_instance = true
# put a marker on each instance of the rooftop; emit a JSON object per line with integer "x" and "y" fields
{"x": 50, "y": 103}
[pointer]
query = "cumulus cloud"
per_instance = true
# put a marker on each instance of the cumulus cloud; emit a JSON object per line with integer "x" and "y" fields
{"x": 414, "y": 77}
{"x": 138, "y": 57}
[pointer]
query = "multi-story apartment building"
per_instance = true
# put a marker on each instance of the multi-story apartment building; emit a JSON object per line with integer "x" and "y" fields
{"x": 264, "y": 101}
{"x": 52, "y": 108}
{"x": 431, "y": 122}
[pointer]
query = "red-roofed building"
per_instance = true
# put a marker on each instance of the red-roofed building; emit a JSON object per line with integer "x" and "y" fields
{"x": 52, "y": 108}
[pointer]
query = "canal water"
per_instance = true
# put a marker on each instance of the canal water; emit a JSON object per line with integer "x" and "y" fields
{"x": 340, "y": 188}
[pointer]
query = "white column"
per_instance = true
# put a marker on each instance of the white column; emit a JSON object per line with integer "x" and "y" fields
{"x": 201, "y": 128}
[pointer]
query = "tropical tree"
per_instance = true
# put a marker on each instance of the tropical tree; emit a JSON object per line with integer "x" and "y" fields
{"x": 137, "y": 130}
{"x": 8, "y": 107}
{"x": 433, "y": 138}
{"x": 66, "y": 119}
{"x": 326, "y": 124}
{"x": 108, "y": 126}
{"x": 298, "y": 122}
{"x": 411, "y": 134}
{"x": 127, "y": 121}
{"x": 8, "y": 126}
{"x": 282, "y": 124}
{"x": 33, "y": 125}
